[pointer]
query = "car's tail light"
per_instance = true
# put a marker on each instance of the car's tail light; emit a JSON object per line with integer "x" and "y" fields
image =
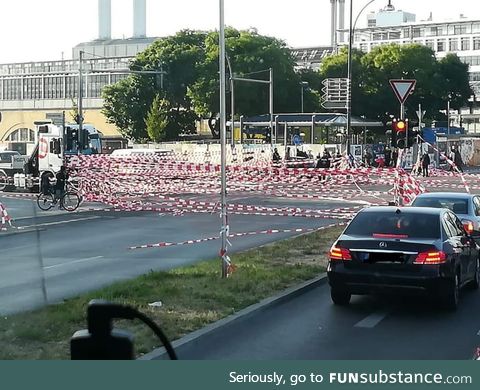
{"x": 337, "y": 253}
{"x": 468, "y": 225}
{"x": 431, "y": 257}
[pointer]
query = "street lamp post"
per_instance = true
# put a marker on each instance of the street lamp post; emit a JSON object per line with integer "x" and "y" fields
{"x": 303, "y": 85}
{"x": 351, "y": 31}
{"x": 223, "y": 135}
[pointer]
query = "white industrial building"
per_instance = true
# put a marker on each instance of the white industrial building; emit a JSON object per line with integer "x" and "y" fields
{"x": 389, "y": 25}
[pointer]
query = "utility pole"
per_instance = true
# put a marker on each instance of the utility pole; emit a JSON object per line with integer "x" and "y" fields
{"x": 223, "y": 136}
{"x": 273, "y": 138}
{"x": 80, "y": 101}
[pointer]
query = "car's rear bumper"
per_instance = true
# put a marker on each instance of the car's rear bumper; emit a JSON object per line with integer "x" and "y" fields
{"x": 432, "y": 279}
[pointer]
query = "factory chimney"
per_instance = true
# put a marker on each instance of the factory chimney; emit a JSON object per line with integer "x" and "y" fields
{"x": 334, "y": 23}
{"x": 139, "y": 18}
{"x": 104, "y": 19}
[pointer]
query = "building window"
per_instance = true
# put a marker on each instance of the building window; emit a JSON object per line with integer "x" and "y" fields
{"x": 406, "y": 33}
{"x": 476, "y": 43}
{"x": 430, "y": 43}
{"x": 441, "y": 45}
{"x": 54, "y": 87}
{"x": 32, "y": 88}
{"x": 12, "y": 89}
{"x": 96, "y": 84}
{"x": 453, "y": 44}
{"x": 465, "y": 43}
{"x": 475, "y": 27}
{"x": 394, "y": 35}
{"x": 460, "y": 29}
{"x": 418, "y": 32}
{"x": 71, "y": 87}
{"x": 475, "y": 76}
{"x": 22, "y": 135}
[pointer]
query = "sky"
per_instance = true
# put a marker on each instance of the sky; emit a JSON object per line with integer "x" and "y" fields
{"x": 41, "y": 30}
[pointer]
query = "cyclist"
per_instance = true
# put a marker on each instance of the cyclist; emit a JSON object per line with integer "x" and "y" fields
{"x": 60, "y": 186}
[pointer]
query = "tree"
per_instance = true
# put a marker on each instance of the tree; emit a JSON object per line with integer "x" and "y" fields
{"x": 128, "y": 101}
{"x": 157, "y": 119}
{"x": 251, "y": 55}
{"x": 372, "y": 95}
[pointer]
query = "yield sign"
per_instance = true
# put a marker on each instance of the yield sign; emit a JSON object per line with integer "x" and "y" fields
{"x": 402, "y": 88}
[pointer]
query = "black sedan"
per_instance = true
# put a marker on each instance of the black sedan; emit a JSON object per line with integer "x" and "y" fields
{"x": 404, "y": 250}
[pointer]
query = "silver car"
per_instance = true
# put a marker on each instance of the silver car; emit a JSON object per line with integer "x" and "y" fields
{"x": 465, "y": 206}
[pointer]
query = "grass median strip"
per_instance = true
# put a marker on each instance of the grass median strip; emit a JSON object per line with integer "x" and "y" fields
{"x": 191, "y": 297}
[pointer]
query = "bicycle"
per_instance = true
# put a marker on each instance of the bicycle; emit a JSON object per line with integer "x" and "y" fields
{"x": 69, "y": 199}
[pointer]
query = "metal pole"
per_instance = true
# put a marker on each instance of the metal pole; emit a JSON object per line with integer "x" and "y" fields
{"x": 448, "y": 117}
{"x": 232, "y": 126}
{"x": 276, "y": 128}
{"x": 80, "y": 101}
{"x": 349, "y": 77}
{"x": 313, "y": 130}
{"x": 302, "y": 98}
{"x": 232, "y": 101}
{"x": 241, "y": 129}
{"x": 272, "y": 139}
{"x": 223, "y": 134}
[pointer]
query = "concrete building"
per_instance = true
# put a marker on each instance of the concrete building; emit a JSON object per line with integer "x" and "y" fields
{"x": 389, "y": 16}
{"x": 35, "y": 91}
{"x": 460, "y": 36}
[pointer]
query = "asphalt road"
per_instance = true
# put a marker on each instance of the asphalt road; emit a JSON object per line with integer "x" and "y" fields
{"x": 310, "y": 327}
{"x": 71, "y": 253}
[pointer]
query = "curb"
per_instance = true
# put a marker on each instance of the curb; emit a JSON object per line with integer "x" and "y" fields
{"x": 264, "y": 304}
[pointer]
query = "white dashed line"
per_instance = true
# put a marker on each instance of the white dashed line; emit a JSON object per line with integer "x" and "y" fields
{"x": 58, "y": 223}
{"x": 74, "y": 262}
{"x": 372, "y": 320}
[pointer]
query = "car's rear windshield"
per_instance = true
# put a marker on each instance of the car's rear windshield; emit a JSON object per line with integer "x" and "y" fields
{"x": 395, "y": 225}
{"x": 458, "y": 206}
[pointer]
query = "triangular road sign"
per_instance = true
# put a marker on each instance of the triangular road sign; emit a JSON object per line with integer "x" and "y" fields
{"x": 402, "y": 88}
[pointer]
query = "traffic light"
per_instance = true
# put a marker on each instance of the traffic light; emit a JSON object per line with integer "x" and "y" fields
{"x": 400, "y": 128}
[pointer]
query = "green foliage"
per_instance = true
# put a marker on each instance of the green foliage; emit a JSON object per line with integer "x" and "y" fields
{"x": 191, "y": 81}
{"x": 372, "y": 95}
{"x": 157, "y": 119}
{"x": 127, "y": 103}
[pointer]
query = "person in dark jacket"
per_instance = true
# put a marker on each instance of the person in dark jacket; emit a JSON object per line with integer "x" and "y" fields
{"x": 425, "y": 164}
{"x": 60, "y": 186}
{"x": 276, "y": 156}
{"x": 458, "y": 160}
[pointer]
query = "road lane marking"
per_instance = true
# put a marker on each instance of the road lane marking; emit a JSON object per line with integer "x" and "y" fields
{"x": 58, "y": 222}
{"x": 478, "y": 333}
{"x": 372, "y": 320}
{"x": 74, "y": 262}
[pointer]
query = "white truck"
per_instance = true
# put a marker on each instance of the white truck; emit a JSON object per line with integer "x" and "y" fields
{"x": 54, "y": 143}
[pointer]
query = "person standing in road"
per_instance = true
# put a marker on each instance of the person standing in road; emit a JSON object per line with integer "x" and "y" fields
{"x": 451, "y": 157}
{"x": 458, "y": 160}
{"x": 425, "y": 164}
{"x": 276, "y": 156}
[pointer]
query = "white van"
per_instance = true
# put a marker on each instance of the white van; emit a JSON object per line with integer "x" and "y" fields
{"x": 141, "y": 152}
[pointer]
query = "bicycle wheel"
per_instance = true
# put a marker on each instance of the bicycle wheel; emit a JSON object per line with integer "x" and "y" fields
{"x": 45, "y": 201}
{"x": 70, "y": 201}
